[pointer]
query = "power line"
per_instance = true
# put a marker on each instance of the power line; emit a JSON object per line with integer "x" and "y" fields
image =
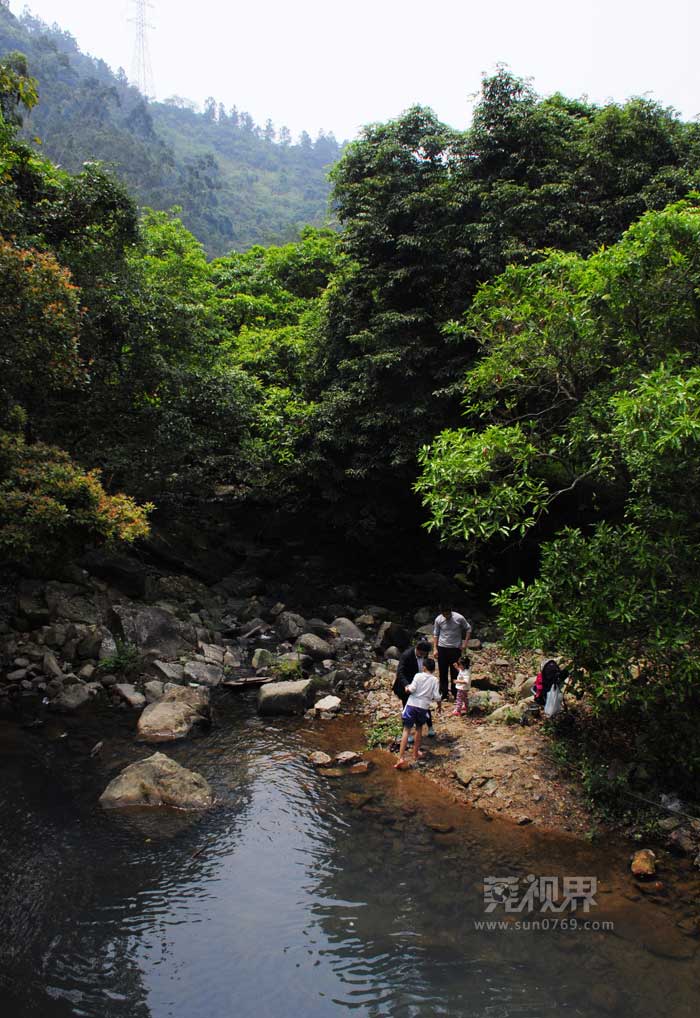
{"x": 141, "y": 69}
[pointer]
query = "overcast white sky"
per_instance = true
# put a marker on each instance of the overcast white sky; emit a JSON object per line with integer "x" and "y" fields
{"x": 315, "y": 64}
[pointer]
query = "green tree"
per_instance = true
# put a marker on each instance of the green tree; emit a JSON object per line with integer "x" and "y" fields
{"x": 582, "y": 440}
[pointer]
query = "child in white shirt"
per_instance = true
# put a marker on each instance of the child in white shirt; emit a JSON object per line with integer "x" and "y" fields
{"x": 463, "y": 683}
{"x": 423, "y": 690}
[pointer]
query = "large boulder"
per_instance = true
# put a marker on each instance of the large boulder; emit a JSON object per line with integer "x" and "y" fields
{"x": 286, "y": 697}
{"x": 174, "y": 715}
{"x": 154, "y": 631}
{"x": 347, "y": 628}
{"x": 314, "y": 646}
{"x": 158, "y": 781}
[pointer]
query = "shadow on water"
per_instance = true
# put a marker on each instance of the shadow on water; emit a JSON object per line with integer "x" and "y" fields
{"x": 298, "y": 894}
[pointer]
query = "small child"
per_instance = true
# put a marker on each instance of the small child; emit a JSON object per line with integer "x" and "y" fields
{"x": 463, "y": 683}
{"x": 423, "y": 690}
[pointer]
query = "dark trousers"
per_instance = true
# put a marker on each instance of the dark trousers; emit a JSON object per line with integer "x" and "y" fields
{"x": 447, "y": 656}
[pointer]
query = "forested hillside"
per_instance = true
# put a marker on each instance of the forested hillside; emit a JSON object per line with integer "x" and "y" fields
{"x": 238, "y": 184}
{"x": 502, "y": 342}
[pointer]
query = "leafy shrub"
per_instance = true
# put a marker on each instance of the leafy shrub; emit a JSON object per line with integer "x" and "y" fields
{"x": 50, "y": 508}
{"x": 124, "y": 661}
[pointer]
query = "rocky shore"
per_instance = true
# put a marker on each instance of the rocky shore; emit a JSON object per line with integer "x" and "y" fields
{"x": 164, "y": 646}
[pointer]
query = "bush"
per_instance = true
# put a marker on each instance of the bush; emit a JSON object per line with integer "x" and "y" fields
{"x": 50, "y": 508}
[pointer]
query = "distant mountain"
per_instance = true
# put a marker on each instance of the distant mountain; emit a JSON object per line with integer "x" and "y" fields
{"x": 238, "y": 184}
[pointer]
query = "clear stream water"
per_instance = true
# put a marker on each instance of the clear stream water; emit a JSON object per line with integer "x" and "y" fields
{"x": 289, "y": 899}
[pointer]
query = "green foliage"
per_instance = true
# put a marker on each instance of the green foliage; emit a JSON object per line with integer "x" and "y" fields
{"x": 287, "y": 670}
{"x": 50, "y": 508}
{"x": 384, "y": 732}
{"x": 39, "y": 325}
{"x": 584, "y": 407}
{"x": 17, "y": 89}
{"x": 125, "y": 660}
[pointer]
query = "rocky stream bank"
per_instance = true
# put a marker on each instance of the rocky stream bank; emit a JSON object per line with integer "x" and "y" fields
{"x": 165, "y": 647}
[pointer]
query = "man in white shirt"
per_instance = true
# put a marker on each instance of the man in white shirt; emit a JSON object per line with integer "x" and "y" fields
{"x": 450, "y": 635}
{"x": 423, "y": 691}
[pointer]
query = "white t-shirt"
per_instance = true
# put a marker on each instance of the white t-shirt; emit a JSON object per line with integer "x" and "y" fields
{"x": 464, "y": 679}
{"x": 424, "y": 689}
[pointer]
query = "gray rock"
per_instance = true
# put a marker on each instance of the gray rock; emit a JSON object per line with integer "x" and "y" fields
{"x": 347, "y": 757}
{"x": 108, "y": 680}
{"x": 232, "y": 658}
{"x": 158, "y": 781}
{"x": 320, "y": 759}
{"x": 253, "y": 627}
{"x": 169, "y": 671}
{"x": 87, "y": 671}
{"x": 263, "y": 658}
{"x": 319, "y": 628}
{"x": 69, "y": 602}
{"x": 53, "y": 688}
{"x": 484, "y": 699}
{"x": 289, "y": 625}
{"x": 682, "y": 842}
{"x": 108, "y": 647}
{"x": 153, "y": 690}
{"x": 154, "y": 630}
{"x": 328, "y": 705}
{"x": 18, "y": 675}
{"x": 50, "y": 666}
{"x": 204, "y": 673}
{"x": 89, "y": 646}
{"x": 212, "y": 654}
{"x": 285, "y": 697}
{"x": 174, "y": 715}
{"x": 314, "y": 646}
{"x": 130, "y": 694}
{"x": 506, "y": 715}
{"x": 392, "y": 654}
{"x": 31, "y": 603}
{"x": 391, "y": 634}
{"x": 505, "y": 747}
{"x": 71, "y": 698}
{"x": 474, "y": 644}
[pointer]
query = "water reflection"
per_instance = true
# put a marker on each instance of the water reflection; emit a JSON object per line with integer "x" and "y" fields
{"x": 291, "y": 899}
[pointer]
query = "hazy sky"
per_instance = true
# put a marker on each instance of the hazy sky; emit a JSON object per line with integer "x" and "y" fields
{"x": 315, "y": 64}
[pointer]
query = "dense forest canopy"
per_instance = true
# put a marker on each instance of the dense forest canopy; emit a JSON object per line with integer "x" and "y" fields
{"x": 502, "y": 342}
{"x": 238, "y": 183}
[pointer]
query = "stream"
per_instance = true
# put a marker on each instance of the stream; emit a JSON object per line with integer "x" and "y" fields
{"x": 300, "y": 894}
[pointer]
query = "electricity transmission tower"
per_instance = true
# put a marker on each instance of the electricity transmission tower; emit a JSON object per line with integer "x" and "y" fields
{"x": 141, "y": 70}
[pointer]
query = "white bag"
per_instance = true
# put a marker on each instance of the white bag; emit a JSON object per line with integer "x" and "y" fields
{"x": 554, "y": 701}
